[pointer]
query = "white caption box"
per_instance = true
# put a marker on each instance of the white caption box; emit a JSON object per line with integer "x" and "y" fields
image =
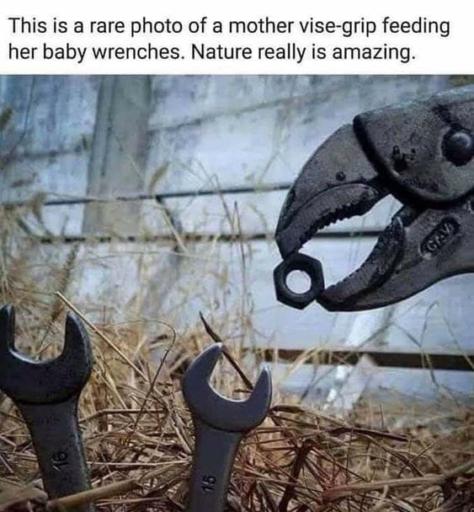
{"x": 179, "y": 37}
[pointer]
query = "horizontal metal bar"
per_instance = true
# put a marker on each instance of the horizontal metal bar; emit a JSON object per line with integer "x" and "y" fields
{"x": 241, "y": 189}
{"x": 194, "y": 237}
{"x": 426, "y": 360}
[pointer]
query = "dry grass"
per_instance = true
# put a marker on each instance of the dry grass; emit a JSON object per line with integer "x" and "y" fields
{"x": 139, "y": 437}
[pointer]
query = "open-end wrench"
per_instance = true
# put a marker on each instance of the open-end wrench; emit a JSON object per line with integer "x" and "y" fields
{"x": 47, "y": 393}
{"x": 219, "y": 424}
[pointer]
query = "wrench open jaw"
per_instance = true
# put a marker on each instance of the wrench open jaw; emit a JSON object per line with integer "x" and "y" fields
{"x": 39, "y": 382}
{"x": 422, "y": 153}
{"x": 216, "y": 410}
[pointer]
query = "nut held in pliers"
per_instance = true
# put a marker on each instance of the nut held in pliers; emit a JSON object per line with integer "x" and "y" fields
{"x": 312, "y": 267}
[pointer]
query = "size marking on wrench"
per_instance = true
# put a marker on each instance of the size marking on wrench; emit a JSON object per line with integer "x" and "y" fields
{"x": 47, "y": 393}
{"x": 220, "y": 424}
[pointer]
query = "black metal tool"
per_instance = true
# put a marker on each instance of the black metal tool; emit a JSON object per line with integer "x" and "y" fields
{"x": 423, "y": 154}
{"x": 219, "y": 424}
{"x": 47, "y": 393}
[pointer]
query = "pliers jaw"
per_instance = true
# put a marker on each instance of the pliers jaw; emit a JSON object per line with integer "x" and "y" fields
{"x": 412, "y": 152}
{"x": 418, "y": 249}
{"x": 337, "y": 182}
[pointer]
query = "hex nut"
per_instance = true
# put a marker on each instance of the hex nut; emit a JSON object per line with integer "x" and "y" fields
{"x": 312, "y": 267}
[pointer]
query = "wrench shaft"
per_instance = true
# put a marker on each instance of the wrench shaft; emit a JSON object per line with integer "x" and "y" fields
{"x": 212, "y": 466}
{"x": 57, "y": 440}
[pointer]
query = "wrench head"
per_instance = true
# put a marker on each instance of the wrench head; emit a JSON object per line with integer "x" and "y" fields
{"x": 44, "y": 382}
{"x": 217, "y": 411}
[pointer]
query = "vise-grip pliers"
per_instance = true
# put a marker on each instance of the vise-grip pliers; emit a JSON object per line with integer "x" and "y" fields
{"x": 422, "y": 153}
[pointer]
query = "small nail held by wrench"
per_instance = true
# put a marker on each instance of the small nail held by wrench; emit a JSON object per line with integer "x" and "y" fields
{"x": 47, "y": 393}
{"x": 219, "y": 424}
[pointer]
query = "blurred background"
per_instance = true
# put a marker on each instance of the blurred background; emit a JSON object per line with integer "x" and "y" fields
{"x": 148, "y": 199}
